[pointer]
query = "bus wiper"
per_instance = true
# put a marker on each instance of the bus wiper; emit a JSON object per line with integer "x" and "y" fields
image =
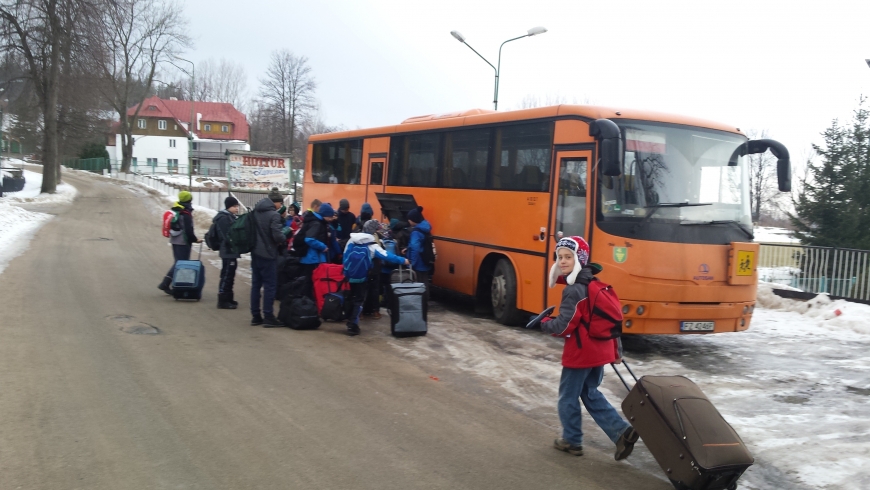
{"x": 739, "y": 225}
{"x": 660, "y": 205}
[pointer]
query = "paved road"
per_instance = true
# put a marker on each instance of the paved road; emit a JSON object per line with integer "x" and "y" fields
{"x": 89, "y": 400}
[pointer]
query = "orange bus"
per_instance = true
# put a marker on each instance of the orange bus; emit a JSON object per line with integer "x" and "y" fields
{"x": 663, "y": 201}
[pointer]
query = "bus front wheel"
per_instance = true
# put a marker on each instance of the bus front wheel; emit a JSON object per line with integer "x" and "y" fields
{"x": 503, "y": 293}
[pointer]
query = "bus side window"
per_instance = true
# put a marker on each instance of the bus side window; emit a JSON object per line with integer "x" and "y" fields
{"x": 571, "y": 204}
{"x": 377, "y": 173}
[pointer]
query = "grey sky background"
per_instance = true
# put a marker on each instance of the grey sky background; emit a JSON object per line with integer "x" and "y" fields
{"x": 787, "y": 67}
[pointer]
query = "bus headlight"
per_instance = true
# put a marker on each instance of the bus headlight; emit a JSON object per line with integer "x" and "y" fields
{"x": 745, "y": 309}
{"x": 626, "y": 309}
{"x": 628, "y": 324}
{"x": 640, "y": 310}
{"x": 742, "y": 322}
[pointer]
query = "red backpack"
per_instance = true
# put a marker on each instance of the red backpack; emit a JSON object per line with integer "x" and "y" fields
{"x": 168, "y": 218}
{"x": 604, "y": 319}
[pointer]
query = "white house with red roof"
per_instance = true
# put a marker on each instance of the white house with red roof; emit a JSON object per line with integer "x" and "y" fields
{"x": 161, "y": 136}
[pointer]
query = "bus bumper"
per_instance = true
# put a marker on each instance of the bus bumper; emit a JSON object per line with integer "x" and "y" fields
{"x": 667, "y": 318}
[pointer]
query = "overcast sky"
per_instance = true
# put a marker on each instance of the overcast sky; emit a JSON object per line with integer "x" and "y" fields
{"x": 789, "y": 67}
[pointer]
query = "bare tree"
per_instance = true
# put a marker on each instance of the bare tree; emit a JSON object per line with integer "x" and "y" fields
{"x": 762, "y": 179}
{"x": 40, "y": 33}
{"x": 131, "y": 44}
{"x": 221, "y": 81}
{"x": 287, "y": 91}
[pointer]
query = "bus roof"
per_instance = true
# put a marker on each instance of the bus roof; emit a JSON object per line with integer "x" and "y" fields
{"x": 482, "y": 116}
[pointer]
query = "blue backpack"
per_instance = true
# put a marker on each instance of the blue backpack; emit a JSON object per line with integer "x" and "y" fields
{"x": 357, "y": 261}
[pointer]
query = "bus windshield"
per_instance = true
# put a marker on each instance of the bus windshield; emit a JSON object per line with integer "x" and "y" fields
{"x": 676, "y": 186}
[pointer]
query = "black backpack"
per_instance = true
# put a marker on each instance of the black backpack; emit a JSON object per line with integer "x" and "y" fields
{"x": 334, "y": 305}
{"x": 428, "y": 254}
{"x": 212, "y": 237}
{"x": 299, "y": 313}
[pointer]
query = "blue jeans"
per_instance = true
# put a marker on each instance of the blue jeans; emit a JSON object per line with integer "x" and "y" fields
{"x": 264, "y": 274}
{"x": 582, "y": 384}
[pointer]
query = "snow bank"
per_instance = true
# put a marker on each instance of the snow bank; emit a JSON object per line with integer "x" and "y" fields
{"x": 31, "y": 192}
{"x": 837, "y": 315}
{"x": 184, "y": 180}
{"x": 18, "y": 225}
{"x": 769, "y": 234}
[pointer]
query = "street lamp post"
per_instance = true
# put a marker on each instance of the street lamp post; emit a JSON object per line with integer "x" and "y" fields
{"x": 534, "y": 31}
{"x": 190, "y": 124}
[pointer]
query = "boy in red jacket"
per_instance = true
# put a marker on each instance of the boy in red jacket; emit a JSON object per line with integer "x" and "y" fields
{"x": 583, "y": 357}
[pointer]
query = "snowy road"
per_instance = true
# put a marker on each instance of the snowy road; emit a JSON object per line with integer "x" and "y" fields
{"x": 796, "y": 385}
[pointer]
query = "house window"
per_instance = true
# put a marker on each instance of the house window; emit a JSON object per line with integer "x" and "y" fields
{"x": 135, "y": 162}
{"x": 161, "y": 124}
{"x": 172, "y": 143}
{"x": 225, "y": 129}
{"x": 172, "y": 162}
{"x": 152, "y": 162}
{"x": 207, "y": 127}
{"x": 196, "y": 146}
{"x": 140, "y": 124}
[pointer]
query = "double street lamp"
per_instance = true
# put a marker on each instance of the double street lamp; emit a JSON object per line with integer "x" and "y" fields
{"x": 534, "y": 31}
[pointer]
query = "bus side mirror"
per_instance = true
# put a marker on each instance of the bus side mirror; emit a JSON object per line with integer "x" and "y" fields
{"x": 610, "y": 146}
{"x": 783, "y": 162}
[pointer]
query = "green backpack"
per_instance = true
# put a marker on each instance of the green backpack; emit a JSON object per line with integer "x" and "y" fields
{"x": 243, "y": 234}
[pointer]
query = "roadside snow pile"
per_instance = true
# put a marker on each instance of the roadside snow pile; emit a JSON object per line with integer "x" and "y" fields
{"x": 31, "y": 192}
{"x": 769, "y": 234}
{"x": 837, "y": 314}
{"x": 184, "y": 180}
{"x": 17, "y": 225}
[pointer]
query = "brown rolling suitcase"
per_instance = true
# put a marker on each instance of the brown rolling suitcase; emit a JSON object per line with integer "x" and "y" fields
{"x": 687, "y": 436}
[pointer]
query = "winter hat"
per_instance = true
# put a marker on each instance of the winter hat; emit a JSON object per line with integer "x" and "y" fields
{"x": 416, "y": 215}
{"x": 385, "y": 232}
{"x": 230, "y": 202}
{"x": 579, "y": 247}
{"x": 366, "y": 209}
{"x": 344, "y": 205}
{"x": 185, "y": 196}
{"x": 326, "y": 210}
{"x": 371, "y": 226}
{"x": 275, "y": 195}
{"x": 295, "y": 207}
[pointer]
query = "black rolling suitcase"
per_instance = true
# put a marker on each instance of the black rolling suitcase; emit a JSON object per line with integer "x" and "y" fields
{"x": 687, "y": 436}
{"x": 405, "y": 301}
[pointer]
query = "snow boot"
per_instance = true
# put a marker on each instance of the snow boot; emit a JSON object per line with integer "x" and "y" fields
{"x": 224, "y": 302}
{"x": 256, "y": 320}
{"x": 165, "y": 285}
{"x": 269, "y": 321}
{"x": 352, "y": 330}
{"x": 232, "y": 299}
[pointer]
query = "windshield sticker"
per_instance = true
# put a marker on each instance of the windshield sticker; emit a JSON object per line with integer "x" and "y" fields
{"x": 645, "y": 141}
{"x": 610, "y": 202}
{"x": 620, "y": 254}
{"x": 629, "y": 212}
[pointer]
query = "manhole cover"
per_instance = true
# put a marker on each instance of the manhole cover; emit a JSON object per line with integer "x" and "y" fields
{"x": 141, "y": 329}
{"x": 129, "y": 324}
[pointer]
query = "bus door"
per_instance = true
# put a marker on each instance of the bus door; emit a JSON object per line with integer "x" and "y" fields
{"x": 377, "y": 177}
{"x": 569, "y": 212}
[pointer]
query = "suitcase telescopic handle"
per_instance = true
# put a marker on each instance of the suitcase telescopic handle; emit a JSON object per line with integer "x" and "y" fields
{"x": 613, "y": 365}
{"x": 198, "y": 257}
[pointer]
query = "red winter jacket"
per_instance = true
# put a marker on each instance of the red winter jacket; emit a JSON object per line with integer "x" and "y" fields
{"x": 590, "y": 352}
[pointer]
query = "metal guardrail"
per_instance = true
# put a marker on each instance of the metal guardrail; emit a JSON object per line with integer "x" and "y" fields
{"x": 841, "y": 272}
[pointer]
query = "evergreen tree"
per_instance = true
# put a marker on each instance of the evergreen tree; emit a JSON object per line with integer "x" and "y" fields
{"x": 833, "y": 206}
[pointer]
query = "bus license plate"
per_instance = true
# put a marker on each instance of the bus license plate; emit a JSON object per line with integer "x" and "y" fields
{"x": 697, "y": 326}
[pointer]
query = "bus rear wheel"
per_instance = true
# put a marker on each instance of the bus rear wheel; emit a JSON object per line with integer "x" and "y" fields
{"x": 503, "y": 293}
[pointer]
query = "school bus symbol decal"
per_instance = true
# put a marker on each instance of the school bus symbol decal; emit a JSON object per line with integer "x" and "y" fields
{"x": 620, "y": 254}
{"x": 745, "y": 263}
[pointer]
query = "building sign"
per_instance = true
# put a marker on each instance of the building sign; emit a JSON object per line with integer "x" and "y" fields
{"x": 258, "y": 171}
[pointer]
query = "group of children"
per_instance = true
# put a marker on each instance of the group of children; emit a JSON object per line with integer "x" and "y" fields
{"x": 368, "y": 249}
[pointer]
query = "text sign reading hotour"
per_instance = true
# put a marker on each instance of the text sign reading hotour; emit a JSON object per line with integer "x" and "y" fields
{"x": 258, "y": 171}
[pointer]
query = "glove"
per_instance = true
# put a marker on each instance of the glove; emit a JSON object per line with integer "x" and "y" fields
{"x": 546, "y": 319}
{"x": 535, "y": 326}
